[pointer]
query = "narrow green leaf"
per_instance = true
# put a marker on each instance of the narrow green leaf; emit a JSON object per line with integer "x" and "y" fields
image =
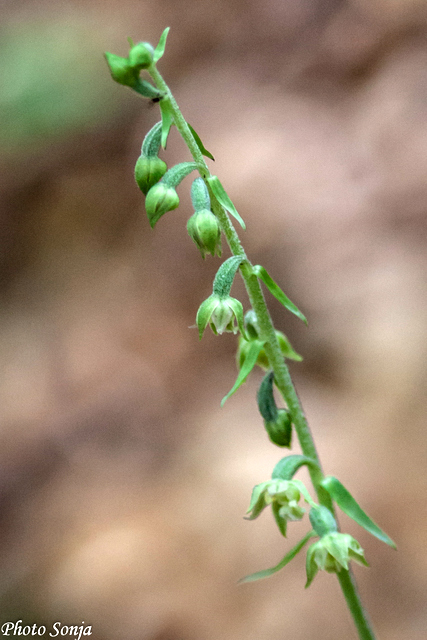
{"x": 288, "y": 557}
{"x": 287, "y": 467}
{"x": 274, "y": 288}
{"x": 167, "y": 119}
{"x": 224, "y": 199}
{"x": 248, "y": 365}
{"x": 160, "y": 49}
{"x": 348, "y": 504}
{"x": 200, "y": 144}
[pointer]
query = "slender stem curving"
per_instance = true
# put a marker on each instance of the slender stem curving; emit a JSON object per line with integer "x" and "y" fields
{"x": 281, "y": 372}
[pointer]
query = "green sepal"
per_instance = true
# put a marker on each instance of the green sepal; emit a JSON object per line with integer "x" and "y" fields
{"x": 287, "y": 467}
{"x": 266, "y": 573}
{"x": 274, "y": 288}
{"x": 200, "y": 144}
{"x": 160, "y": 49}
{"x": 151, "y": 144}
{"x": 146, "y": 89}
{"x": 177, "y": 173}
{"x": 204, "y": 313}
{"x": 280, "y": 521}
{"x": 248, "y": 365}
{"x": 225, "y": 275}
{"x": 167, "y": 119}
{"x": 322, "y": 521}
{"x": 224, "y": 199}
{"x": 286, "y": 347}
{"x": 348, "y": 504}
{"x": 258, "y": 503}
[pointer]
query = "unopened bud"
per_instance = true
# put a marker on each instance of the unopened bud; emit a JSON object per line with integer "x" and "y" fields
{"x": 148, "y": 171}
{"x": 141, "y": 56}
{"x": 160, "y": 199}
{"x": 121, "y": 70}
{"x": 203, "y": 228}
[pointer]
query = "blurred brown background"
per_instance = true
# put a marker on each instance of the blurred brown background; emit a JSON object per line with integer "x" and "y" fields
{"x": 123, "y": 484}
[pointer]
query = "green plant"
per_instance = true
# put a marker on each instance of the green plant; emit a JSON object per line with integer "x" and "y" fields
{"x": 259, "y": 343}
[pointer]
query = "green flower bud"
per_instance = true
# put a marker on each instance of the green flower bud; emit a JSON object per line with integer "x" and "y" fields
{"x": 160, "y": 199}
{"x": 280, "y": 430}
{"x": 203, "y": 228}
{"x": 148, "y": 171}
{"x": 332, "y": 553}
{"x": 141, "y": 56}
{"x": 120, "y": 69}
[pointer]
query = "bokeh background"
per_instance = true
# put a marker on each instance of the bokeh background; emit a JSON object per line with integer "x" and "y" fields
{"x": 122, "y": 482}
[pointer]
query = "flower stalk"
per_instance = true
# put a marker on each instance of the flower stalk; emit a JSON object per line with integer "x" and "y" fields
{"x": 333, "y": 550}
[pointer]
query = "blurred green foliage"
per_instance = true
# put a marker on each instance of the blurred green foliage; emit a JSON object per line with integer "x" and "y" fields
{"x": 53, "y": 81}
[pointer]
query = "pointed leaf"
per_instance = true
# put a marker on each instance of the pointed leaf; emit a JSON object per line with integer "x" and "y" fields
{"x": 348, "y": 504}
{"x": 274, "y": 288}
{"x": 288, "y": 557}
{"x": 200, "y": 144}
{"x": 167, "y": 119}
{"x": 160, "y": 49}
{"x": 248, "y": 365}
{"x": 287, "y": 467}
{"x": 224, "y": 199}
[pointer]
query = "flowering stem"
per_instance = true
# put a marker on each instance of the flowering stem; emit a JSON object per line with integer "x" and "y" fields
{"x": 272, "y": 349}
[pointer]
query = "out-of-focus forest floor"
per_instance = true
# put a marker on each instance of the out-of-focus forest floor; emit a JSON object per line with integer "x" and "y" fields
{"x": 122, "y": 482}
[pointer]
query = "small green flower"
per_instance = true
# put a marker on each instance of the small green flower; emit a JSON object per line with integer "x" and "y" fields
{"x": 221, "y": 314}
{"x": 203, "y": 228}
{"x": 160, "y": 199}
{"x": 121, "y": 70}
{"x": 283, "y": 496}
{"x": 148, "y": 171}
{"x": 332, "y": 553}
{"x": 141, "y": 56}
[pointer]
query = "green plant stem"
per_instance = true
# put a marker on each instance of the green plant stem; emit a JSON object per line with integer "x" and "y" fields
{"x": 281, "y": 372}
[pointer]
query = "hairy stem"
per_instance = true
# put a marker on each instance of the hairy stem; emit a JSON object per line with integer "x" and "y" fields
{"x": 281, "y": 372}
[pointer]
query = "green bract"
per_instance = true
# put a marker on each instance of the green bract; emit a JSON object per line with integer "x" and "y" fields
{"x": 160, "y": 199}
{"x": 332, "y": 553}
{"x": 221, "y": 314}
{"x": 121, "y": 70}
{"x": 203, "y": 228}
